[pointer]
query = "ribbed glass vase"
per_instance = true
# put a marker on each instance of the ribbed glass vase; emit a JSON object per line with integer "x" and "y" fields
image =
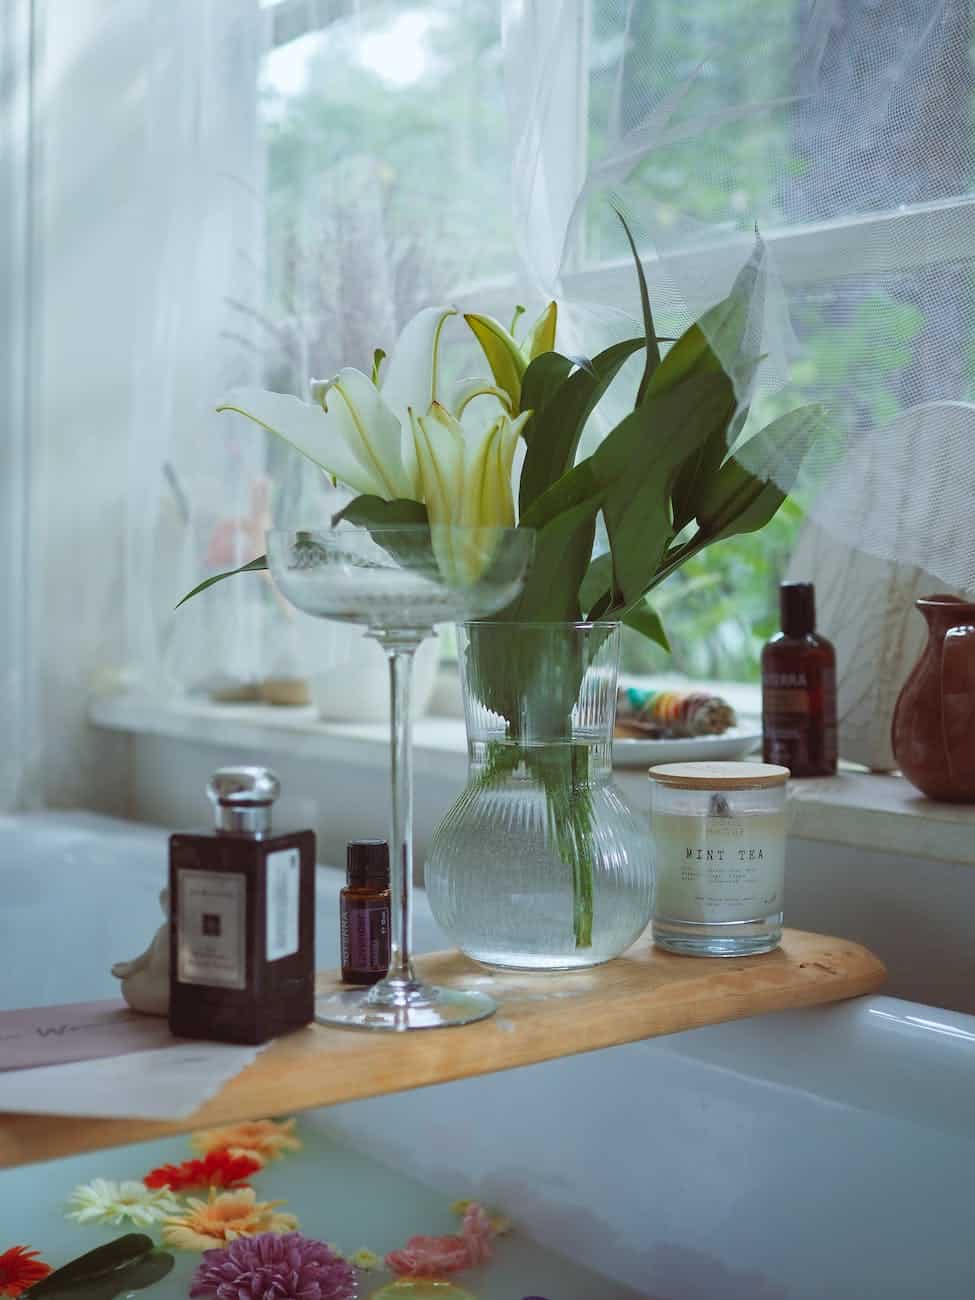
{"x": 540, "y": 864}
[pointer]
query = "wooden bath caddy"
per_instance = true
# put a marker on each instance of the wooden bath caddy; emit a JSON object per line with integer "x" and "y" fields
{"x": 643, "y": 994}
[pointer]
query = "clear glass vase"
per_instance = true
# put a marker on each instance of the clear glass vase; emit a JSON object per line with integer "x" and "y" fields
{"x": 540, "y": 864}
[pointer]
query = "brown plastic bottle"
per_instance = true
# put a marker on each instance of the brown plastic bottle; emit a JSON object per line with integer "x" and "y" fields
{"x": 364, "y": 909}
{"x": 799, "y": 689}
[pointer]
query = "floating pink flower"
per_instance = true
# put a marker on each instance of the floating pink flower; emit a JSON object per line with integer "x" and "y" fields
{"x": 435, "y": 1257}
{"x": 275, "y": 1267}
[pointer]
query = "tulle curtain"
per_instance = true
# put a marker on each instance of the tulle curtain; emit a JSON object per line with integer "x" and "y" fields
{"x": 317, "y": 172}
{"x": 841, "y": 130}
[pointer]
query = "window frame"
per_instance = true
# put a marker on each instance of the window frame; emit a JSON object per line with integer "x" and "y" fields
{"x": 20, "y": 27}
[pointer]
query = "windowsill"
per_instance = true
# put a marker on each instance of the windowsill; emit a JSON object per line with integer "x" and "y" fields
{"x": 855, "y": 808}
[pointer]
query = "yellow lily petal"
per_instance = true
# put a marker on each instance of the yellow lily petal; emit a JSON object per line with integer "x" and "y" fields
{"x": 502, "y": 352}
{"x": 541, "y": 336}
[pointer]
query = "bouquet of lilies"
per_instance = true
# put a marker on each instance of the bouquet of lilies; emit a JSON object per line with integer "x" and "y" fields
{"x": 668, "y": 480}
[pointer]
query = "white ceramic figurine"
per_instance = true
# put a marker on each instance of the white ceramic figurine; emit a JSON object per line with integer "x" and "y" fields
{"x": 145, "y": 979}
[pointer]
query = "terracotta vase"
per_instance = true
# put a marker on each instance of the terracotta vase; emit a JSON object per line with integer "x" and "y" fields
{"x": 933, "y": 731}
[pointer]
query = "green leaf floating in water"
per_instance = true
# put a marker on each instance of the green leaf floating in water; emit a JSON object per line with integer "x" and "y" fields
{"x": 130, "y": 1263}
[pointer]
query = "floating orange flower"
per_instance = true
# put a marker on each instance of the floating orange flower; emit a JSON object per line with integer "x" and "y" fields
{"x": 222, "y": 1218}
{"x": 217, "y": 1169}
{"x": 264, "y": 1139}
{"x": 20, "y": 1268}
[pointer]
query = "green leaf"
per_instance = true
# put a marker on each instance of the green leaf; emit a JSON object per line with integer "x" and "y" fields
{"x": 649, "y": 329}
{"x": 597, "y": 583}
{"x": 542, "y": 379}
{"x": 643, "y": 618}
{"x": 255, "y": 566}
{"x": 637, "y": 464}
{"x": 563, "y": 546}
{"x": 728, "y": 335}
{"x": 698, "y": 470}
{"x": 127, "y": 1264}
{"x": 740, "y": 501}
{"x": 552, "y": 435}
{"x": 375, "y": 512}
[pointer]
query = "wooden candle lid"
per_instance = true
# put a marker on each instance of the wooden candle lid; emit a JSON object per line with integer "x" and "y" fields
{"x": 719, "y": 776}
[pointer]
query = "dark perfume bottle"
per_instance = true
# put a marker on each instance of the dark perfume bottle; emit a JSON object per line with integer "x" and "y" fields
{"x": 242, "y": 947}
{"x": 799, "y": 689}
{"x": 364, "y": 907}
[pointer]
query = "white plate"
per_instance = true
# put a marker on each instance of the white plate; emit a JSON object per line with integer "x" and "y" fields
{"x": 737, "y": 742}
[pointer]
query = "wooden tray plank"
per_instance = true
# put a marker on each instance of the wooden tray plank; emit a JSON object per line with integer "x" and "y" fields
{"x": 643, "y": 994}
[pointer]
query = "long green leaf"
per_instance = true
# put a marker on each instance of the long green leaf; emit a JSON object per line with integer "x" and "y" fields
{"x": 740, "y": 501}
{"x": 597, "y": 582}
{"x": 649, "y": 329}
{"x": 637, "y": 464}
{"x": 727, "y": 336}
{"x": 375, "y": 512}
{"x": 552, "y": 435}
{"x": 563, "y": 546}
{"x": 126, "y": 1264}
{"x": 255, "y": 566}
{"x": 542, "y": 379}
{"x": 643, "y": 618}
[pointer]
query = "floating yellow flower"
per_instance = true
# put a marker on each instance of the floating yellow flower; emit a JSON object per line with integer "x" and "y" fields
{"x": 105, "y": 1201}
{"x": 264, "y": 1139}
{"x": 222, "y": 1218}
{"x": 366, "y": 1261}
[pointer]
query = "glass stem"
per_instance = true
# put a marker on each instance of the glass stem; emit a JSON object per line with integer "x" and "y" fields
{"x": 401, "y": 838}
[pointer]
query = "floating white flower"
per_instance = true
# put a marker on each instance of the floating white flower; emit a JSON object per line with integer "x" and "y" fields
{"x": 105, "y": 1201}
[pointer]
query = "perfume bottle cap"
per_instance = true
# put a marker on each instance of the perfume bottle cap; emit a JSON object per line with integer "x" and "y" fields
{"x": 367, "y": 862}
{"x": 242, "y": 798}
{"x": 797, "y": 606}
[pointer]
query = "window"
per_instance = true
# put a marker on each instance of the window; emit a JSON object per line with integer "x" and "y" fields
{"x": 390, "y": 183}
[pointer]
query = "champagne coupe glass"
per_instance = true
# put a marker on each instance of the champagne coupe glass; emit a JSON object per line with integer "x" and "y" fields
{"x": 399, "y": 582}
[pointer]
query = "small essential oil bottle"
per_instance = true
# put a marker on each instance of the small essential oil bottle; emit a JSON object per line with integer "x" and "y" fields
{"x": 799, "y": 689}
{"x": 242, "y": 946}
{"x": 364, "y": 904}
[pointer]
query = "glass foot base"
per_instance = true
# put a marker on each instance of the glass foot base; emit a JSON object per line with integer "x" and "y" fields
{"x": 427, "y": 1007}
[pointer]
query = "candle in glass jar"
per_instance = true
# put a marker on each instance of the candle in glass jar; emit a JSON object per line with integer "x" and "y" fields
{"x": 719, "y": 842}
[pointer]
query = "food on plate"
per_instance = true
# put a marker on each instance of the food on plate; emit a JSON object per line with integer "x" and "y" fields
{"x": 670, "y": 715}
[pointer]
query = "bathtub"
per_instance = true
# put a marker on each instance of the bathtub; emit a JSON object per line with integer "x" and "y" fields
{"x": 825, "y": 1154}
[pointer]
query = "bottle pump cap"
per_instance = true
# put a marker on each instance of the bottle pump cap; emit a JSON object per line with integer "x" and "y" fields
{"x": 367, "y": 862}
{"x": 242, "y": 798}
{"x": 797, "y": 606}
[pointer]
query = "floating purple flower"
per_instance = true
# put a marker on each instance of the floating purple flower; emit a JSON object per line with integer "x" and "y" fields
{"x": 275, "y": 1266}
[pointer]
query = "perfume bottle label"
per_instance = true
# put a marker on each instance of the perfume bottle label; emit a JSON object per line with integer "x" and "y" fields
{"x": 211, "y": 929}
{"x": 283, "y": 878}
{"x": 365, "y": 937}
{"x": 712, "y": 869}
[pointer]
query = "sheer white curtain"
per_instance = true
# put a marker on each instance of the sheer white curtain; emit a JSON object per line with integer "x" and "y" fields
{"x": 842, "y": 129}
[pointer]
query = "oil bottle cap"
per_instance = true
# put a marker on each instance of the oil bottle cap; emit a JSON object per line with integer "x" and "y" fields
{"x": 367, "y": 862}
{"x": 797, "y": 607}
{"x": 242, "y": 798}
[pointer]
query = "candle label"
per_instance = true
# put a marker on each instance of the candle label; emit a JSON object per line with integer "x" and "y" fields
{"x": 712, "y": 869}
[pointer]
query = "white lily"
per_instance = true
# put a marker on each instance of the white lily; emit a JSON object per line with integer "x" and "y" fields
{"x": 465, "y": 478}
{"x": 356, "y": 431}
